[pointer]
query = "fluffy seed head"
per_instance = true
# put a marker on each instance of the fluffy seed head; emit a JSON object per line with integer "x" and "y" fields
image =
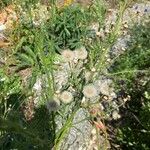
{"x": 66, "y": 97}
{"x": 68, "y": 55}
{"x": 104, "y": 87}
{"x": 90, "y": 91}
{"x": 81, "y": 53}
{"x": 52, "y": 105}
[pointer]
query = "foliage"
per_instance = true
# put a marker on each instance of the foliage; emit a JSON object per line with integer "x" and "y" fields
{"x": 134, "y": 68}
{"x": 69, "y": 27}
{"x": 4, "y": 3}
{"x": 39, "y": 39}
{"x": 135, "y": 132}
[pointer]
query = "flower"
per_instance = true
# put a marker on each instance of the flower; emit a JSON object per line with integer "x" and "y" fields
{"x": 66, "y": 97}
{"x": 90, "y": 91}
{"x": 52, "y": 105}
{"x": 68, "y": 55}
{"x": 81, "y": 53}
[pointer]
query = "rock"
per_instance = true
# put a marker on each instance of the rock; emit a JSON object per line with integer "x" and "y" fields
{"x": 120, "y": 46}
{"x": 79, "y": 135}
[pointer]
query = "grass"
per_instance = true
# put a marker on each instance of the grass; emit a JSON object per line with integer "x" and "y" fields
{"x": 37, "y": 43}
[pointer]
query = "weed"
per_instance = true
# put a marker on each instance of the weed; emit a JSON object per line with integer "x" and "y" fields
{"x": 65, "y": 58}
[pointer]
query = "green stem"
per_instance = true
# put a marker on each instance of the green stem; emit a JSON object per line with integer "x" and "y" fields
{"x": 63, "y": 131}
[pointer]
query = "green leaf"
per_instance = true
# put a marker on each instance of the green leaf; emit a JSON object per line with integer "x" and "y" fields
{"x": 26, "y": 59}
{"x": 30, "y": 52}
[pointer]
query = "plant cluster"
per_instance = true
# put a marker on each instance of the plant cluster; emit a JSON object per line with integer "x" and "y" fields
{"x": 135, "y": 68}
{"x": 56, "y": 64}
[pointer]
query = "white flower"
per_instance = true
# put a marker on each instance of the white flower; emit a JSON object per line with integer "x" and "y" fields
{"x": 90, "y": 91}
{"x": 68, "y": 55}
{"x": 81, "y": 53}
{"x": 66, "y": 97}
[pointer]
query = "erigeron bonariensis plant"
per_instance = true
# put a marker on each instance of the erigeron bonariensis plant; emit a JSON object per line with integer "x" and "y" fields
{"x": 90, "y": 91}
{"x": 81, "y": 53}
{"x": 66, "y": 97}
{"x": 68, "y": 55}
